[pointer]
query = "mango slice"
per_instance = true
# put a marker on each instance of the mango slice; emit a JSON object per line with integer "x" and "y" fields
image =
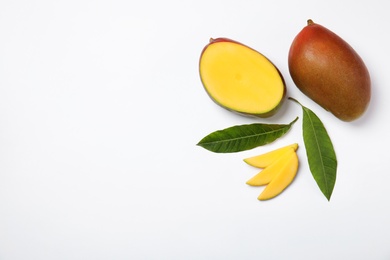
{"x": 264, "y": 160}
{"x": 240, "y": 79}
{"x": 280, "y": 167}
{"x": 265, "y": 176}
{"x": 282, "y": 179}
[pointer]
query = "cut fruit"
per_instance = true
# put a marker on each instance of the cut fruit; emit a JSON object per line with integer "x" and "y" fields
{"x": 264, "y": 160}
{"x": 265, "y": 176}
{"x": 241, "y": 79}
{"x": 280, "y": 168}
{"x": 282, "y": 179}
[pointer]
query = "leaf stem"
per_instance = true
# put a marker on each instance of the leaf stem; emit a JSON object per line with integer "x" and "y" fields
{"x": 296, "y": 101}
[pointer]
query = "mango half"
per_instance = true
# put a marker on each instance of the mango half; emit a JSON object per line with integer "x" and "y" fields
{"x": 240, "y": 79}
{"x": 330, "y": 72}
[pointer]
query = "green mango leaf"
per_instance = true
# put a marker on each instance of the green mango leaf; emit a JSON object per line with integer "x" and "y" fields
{"x": 243, "y": 137}
{"x": 320, "y": 152}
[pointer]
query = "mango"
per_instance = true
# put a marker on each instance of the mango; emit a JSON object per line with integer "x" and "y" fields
{"x": 330, "y": 72}
{"x": 280, "y": 170}
{"x": 264, "y": 160}
{"x": 265, "y": 176}
{"x": 241, "y": 79}
{"x": 282, "y": 179}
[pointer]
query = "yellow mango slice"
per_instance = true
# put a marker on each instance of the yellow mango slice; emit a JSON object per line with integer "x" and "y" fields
{"x": 266, "y": 159}
{"x": 282, "y": 179}
{"x": 265, "y": 176}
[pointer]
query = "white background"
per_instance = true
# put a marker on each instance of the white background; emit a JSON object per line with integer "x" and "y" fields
{"x": 101, "y": 108}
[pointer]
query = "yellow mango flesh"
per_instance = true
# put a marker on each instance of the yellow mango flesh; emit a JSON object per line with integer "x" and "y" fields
{"x": 282, "y": 179}
{"x": 266, "y": 159}
{"x": 241, "y": 79}
{"x": 265, "y": 176}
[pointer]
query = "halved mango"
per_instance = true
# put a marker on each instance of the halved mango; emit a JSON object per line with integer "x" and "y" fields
{"x": 266, "y": 159}
{"x": 241, "y": 79}
{"x": 285, "y": 175}
{"x": 265, "y": 176}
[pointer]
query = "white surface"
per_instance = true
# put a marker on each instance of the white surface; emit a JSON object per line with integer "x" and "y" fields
{"x": 101, "y": 108}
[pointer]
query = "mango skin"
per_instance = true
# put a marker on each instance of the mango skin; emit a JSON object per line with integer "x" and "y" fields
{"x": 330, "y": 72}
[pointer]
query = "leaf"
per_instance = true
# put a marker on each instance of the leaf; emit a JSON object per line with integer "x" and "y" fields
{"x": 243, "y": 137}
{"x": 320, "y": 152}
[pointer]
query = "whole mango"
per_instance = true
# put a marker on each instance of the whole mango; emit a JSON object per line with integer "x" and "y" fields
{"x": 330, "y": 72}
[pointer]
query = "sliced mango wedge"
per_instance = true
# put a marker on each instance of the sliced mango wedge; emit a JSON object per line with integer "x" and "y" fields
{"x": 265, "y": 176}
{"x": 282, "y": 179}
{"x": 279, "y": 168}
{"x": 266, "y": 159}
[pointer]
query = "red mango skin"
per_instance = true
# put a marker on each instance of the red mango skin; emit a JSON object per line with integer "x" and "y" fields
{"x": 330, "y": 72}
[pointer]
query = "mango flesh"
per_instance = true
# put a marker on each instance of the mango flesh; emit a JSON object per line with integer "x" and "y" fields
{"x": 240, "y": 79}
{"x": 330, "y": 72}
{"x": 264, "y": 160}
{"x": 265, "y": 176}
{"x": 282, "y": 179}
{"x": 280, "y": 170}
